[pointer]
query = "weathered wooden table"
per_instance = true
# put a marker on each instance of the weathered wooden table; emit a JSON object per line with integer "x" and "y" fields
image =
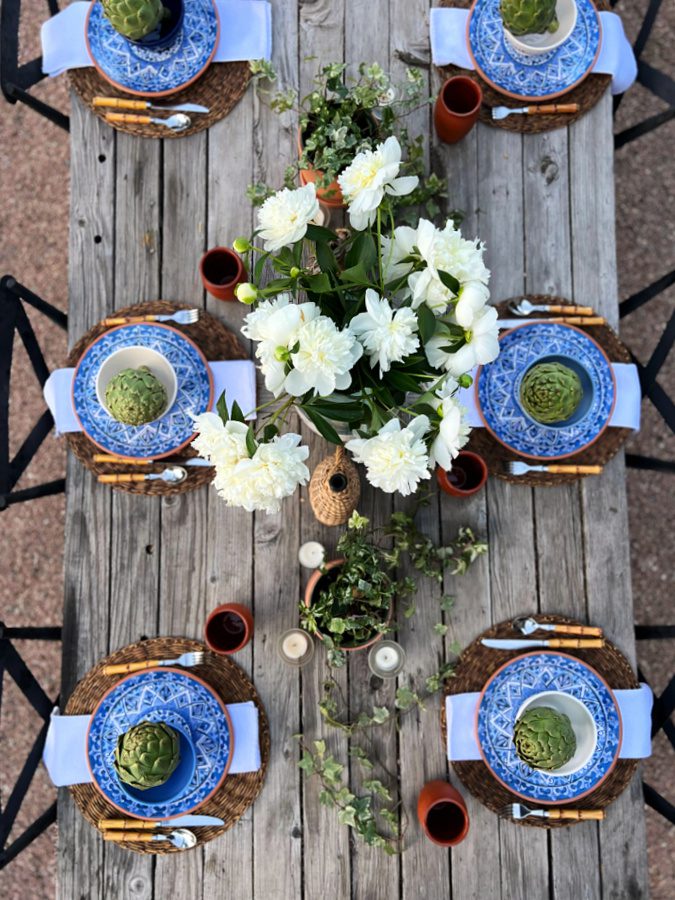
{"x": 143, "y": 211}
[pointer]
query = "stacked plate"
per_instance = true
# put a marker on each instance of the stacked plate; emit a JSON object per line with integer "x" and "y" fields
{"x": 189, "y": 706}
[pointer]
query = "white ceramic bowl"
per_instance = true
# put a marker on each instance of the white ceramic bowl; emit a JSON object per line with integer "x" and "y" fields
{"x": 133, "y": 358}
{"x": 537, "y": 44}
{"x": 582, "y": 725}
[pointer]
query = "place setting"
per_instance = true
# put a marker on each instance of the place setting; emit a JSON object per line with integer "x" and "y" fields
{"x": 133, "y": 385}
{"x": 164, "y": 743}
{"x": 560, "y": 399}
{"x": 545, "y": 721}
{"x": 533, "y": 65}
{"x": 158, "y": 68}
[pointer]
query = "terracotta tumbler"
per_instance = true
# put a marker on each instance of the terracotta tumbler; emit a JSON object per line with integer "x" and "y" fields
{"x": 442, "y": 813}
{"x": 457, "y": 107}
{"x": 228, "y": 628}
{"x": 468, "y": 475}
{"x": 221, "y": 271}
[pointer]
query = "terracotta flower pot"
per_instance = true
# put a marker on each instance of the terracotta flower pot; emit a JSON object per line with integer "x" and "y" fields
{"x": 312, "y": 585}
{"x": 442, "y": 813}
{"x": 468, "y": 475}
{"x": 457, "y": 107}
{"x": 221, "y": 270}
{"x": 228, "y": 628}
{"x": 330, "y": 196}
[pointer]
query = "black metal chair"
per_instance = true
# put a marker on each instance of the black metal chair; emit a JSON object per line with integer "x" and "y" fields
{"x": 12, "y": 663}
{"x": 16, "y": 80}
{"x": 13, "y": 319}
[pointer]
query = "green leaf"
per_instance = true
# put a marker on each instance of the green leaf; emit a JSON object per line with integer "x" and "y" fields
{"x": 447, "y": 603}
{"x": 251, "y": 444}
{"x": 307, "y": 763}
{"x": 237, "y": 414}
{"x": 449, "y": 281}
{"x": 320, "y": 235}
{"x": 347, "y": 816}
{"x": 326, "y": 798}
{"x": 362, "y": 250}
{"x": 380, "y": 714}
{"x": 259, "y": 266}
{"x": 337, "y": 625}
{"x": 221, "y": 408}
{"x": 326, "y": 258}
{"x": 269, "y": 433}
{"x": 317, "y": 284}
{"x": 320, "y": 747}
{"x": 355, "y": 274}
{"x": 440, "y": 628}
{"x": 409, "y": 611}
{"x": 323, "y": 426}
{"x": 426, "y": 322}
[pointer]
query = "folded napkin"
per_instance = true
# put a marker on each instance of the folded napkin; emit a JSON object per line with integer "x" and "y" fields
{"x": 635, "y": 707}
{"x": 448, "y": 29}
{"x": 245, "y": 33}
{"x": 234, "y": 376}
{"x": 626, "y": 412}
{"x": 65, "y": 753}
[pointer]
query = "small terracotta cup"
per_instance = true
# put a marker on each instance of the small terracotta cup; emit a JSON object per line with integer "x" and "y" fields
{"x": 468, "y": 475}
{"x": 221, "y": 271}
{"x": 442, "y": 813}
{"x": 228, "y": 628}
{"x": 457, "y": 107}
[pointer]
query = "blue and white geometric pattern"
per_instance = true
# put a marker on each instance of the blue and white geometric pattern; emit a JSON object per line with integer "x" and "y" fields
{"x": 176, "y": 426}
{"x": 507, "y": 691}
{"x": 532, "y": 77}
{"x": 498, "y": 390}
{"x": 174, "y": 697}
{"x": 149, "y": 72}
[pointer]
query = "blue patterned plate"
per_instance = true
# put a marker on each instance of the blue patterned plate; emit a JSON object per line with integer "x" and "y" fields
{"x": 154, "y": 73}
{"x": 498, "y": 390}
{"x": 502, "y": 697}
{"x": 532, "y": 77}
{"x": 180, "y": 699}
{"x": 164, "y": 436}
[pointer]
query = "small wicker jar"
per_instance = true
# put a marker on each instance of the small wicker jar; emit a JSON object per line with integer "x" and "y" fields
{"x": 334, "y": 489}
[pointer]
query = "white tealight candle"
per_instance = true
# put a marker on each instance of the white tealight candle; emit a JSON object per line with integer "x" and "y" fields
{"x": 295, "y": 645}
{"x": 311, "y": 555}
{"x": 387, "y": 658}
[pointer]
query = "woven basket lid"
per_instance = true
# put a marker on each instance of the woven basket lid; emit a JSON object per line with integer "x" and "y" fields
{"x": 334, "y": 489}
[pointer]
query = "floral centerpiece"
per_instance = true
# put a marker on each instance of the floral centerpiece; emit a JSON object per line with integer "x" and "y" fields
{"x": 368, "y": 333}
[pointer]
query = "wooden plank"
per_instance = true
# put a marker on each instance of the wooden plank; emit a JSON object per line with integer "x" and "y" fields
{"x": 623, "y": 856}
{"x": 574, "y": 851}
{"x": 88, "y": 505}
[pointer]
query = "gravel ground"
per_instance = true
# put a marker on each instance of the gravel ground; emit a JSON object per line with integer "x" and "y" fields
{"x": 34, "y": 247}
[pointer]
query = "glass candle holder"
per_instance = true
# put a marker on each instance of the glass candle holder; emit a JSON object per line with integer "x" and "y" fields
{"x": 386, "y": 659}
{"x": 296, "y": 647}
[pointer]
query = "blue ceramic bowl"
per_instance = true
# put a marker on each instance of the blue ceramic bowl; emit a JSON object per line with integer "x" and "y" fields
{"x": 587, "y": 392}
{"x": 176, "y": 784}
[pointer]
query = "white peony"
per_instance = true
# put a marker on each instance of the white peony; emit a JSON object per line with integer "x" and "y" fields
{"x": 387, "y": 336}
{"x": 323, "y": 360}
{"x": 453, "y": 431}
{"x": 283, "y": 218}
{"x": 263, "y": 480}
{"x": 223, "y": 444}
{"x": 396, "y": 459}
{"x": 482, "y": 346}
{"x": 371, "y": 175}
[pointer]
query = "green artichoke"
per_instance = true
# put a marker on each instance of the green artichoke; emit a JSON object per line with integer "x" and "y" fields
{"x": 135, "y": 396}
{"x": 529, "y": 16}
{"x": 147, "y": 755}
{"x": 134, "y": 19}
{"x": 550, "y": 392}
{"x": 544, "y": 738}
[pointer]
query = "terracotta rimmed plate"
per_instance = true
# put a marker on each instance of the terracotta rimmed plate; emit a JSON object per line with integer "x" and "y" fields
{"x": 154, "y": 73}
{"x": 532, "y": 78}
{"x": 497, "y": 389}
{"x": 174, "y": 696}
{"x": 503, "y": 695}
{"x": 175, "y": 428}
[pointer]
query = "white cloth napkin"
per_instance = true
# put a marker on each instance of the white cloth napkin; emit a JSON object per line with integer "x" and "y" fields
{"x": 616, "y": 57}
{"x": 65, "y": 753}
{"x": 626, "y": 413}
{"x": 245, "y": 33}
{"x": 635, "y": 707}
{"x": 234, "y": 376}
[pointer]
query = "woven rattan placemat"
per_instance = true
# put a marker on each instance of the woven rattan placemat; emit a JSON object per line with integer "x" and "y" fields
{"x": 220, "y": 88}
{"x": 477, "y": 663}
{"x": 237, "y": 792}
{"x": 585, "y": 94}
{"x": 216, "y": 343}
{"x": 609, "y": 443}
